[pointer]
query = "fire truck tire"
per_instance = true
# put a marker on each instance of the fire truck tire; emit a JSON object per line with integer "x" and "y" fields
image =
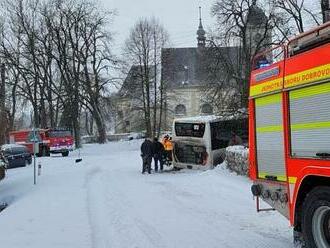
{"x": 316, "y": 218}
{"x": 45, "y": 151}
{"x": 65, "y": 154}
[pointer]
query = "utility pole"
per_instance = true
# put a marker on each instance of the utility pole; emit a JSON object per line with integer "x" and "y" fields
{"x": 325, "y": 5}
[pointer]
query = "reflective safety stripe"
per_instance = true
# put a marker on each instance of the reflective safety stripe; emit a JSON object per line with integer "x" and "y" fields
{"x": 315, "y": 74}
{"x": 310, "y": 91}
{"x": 292, "y": 180}
{"x": 264, "y": 175}
{"x": 282, "y": 178}
{"x": 312, "y": 125}
{"x": 266, "y": 87}
{"x": 269, "y": 129}
{"x": 263, "y": 101}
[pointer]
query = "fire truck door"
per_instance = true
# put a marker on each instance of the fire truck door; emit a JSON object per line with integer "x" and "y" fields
{"x": 270, "y": 138}
{"x": 310, "y": 121}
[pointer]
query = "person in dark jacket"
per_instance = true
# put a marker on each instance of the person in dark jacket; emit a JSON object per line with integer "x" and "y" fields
{"x": 235, "y": 140}
{"x": 158, "y": 150}
{"x": 146, "y": 154}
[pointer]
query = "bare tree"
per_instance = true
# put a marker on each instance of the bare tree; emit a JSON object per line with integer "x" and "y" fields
{"x": 297, "y": 12}
{"x": 57, "y": 55}
{"x": 244, "y": 25}
{"x": 143, "y": 49}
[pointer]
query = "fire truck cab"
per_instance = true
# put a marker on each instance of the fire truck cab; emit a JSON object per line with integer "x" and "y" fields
{"x": 289, "y": 133}
{"x": 52, "y": 140}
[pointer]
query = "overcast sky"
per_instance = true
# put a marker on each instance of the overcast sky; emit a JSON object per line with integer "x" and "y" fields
{"x": 179, "y": 17}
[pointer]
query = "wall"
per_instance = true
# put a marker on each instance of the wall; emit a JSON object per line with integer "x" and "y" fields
{"x": 190, "y": 97}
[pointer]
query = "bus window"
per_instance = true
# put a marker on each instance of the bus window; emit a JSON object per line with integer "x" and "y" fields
{"x": 221, "y": 132}
{"x": 219, "y": 137}
{"x": 190, "y": 129}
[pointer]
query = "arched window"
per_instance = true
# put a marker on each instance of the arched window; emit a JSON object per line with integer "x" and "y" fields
{"x": 180, "y": 110}
{"x": 207, "y": 109}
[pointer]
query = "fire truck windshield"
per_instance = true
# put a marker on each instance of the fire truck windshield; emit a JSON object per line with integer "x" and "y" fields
{"x": 56, "y": 134}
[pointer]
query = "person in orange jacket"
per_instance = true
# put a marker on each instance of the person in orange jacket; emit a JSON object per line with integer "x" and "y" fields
{"x": 168, "y": 146}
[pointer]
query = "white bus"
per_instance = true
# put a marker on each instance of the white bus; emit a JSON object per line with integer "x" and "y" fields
{"x": 200, "y": 142}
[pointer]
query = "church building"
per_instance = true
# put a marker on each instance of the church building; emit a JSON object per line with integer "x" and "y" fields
{"x": 188, "y": 74}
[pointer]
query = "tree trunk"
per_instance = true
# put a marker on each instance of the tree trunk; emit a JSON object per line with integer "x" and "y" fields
{"x": 155, "y": 87}
{"x": 161, "y": 104}
{"x": 87, "y": 123}
{"x": 102, "y": 135}
{"x": 43, "y": 114}
{"x": 76, "y": 130}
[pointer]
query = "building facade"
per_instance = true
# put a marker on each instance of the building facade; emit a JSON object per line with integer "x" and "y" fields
{"x": 188, "y": 75}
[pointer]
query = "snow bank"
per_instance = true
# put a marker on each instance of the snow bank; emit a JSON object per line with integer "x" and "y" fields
{"x": 89, "y": 139}
{"x": 10, "y": 146}
{"x": 237, "y": 159}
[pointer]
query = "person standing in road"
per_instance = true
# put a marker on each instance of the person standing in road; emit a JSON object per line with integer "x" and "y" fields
{"x": 168, "y": 146}
{"x": 146, "y": 154}
{"x": 235, "y": 140}
{"x": 158, "y": 150}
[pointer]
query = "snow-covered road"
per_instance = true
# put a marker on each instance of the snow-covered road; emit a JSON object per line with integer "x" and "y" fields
{"x": 105, "y": 202}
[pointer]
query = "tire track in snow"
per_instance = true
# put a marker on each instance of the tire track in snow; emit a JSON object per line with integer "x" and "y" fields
{"x": 113, "y": 221}
{"x": 95, "y": 207}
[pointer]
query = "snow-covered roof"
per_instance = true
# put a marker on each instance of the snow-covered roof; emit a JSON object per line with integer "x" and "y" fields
{"x": 241, "y": 114}
{"x": 203, "y": 118}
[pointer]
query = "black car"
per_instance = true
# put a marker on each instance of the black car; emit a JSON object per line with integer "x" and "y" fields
{"x": 16, "y": 155}
{"x": 3, "y": 165}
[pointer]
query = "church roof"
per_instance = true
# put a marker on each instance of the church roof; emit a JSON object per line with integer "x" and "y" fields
{"x": 132, "y": 85}
{"x": 184, "y": 67}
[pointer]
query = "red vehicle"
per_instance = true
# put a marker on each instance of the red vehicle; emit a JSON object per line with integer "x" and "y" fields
{"x": 51, "y": 140}
{"x": 289, "y": 138}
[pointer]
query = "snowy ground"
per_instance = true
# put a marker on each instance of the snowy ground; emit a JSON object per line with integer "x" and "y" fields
{"x": 105, "y": 202}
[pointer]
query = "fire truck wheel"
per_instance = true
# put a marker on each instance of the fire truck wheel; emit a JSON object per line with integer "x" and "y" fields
{"x": 316, "y": 218}
{"x": 45, "y": 151}
{"x": 65, "y": 154}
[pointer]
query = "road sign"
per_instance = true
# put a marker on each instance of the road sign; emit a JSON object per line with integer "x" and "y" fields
{"x": 34, "y": 137}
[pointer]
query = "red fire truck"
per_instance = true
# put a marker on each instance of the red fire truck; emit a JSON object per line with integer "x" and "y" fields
{"x": 289, "y": 138}
{"x": 51, "y": 140}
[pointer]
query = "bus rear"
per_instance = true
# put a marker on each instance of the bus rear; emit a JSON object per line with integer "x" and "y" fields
{"x": 201, "y": 142}
{"x": 191, "y": 144}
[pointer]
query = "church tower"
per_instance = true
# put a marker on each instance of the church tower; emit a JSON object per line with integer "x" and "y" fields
{"x": 256, "y": 28}
{"x": 201, "y": 38}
